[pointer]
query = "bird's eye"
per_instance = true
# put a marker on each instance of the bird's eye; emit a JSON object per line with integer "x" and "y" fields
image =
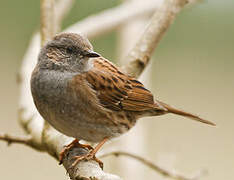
{"x": 69, "y": 50}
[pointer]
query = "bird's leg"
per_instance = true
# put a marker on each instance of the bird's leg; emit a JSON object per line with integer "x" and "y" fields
{"x": 91, "y": 155}
{"x": 74, "y": 143}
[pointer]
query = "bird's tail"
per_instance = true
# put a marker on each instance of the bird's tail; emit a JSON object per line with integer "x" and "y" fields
{"x": 185, "y": 114}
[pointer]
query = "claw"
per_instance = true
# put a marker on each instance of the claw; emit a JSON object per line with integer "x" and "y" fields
{"x": 74, "y": 143}
{"x": 89, "y": 156}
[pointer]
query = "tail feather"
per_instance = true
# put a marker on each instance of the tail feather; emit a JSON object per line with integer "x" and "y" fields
{"x": 186, "y": 114}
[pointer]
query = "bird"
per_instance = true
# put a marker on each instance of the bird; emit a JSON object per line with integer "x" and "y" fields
{"x": 85, "y": 96}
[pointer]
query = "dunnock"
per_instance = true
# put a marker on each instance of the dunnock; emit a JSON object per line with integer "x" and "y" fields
{"x": 85, "y": 96}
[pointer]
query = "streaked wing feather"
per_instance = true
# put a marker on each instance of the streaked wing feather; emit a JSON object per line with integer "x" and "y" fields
{"x": 117, "y": 91}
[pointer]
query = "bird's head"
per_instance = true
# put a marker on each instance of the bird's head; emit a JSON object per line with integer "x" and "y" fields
{"x": 67, "y": 51}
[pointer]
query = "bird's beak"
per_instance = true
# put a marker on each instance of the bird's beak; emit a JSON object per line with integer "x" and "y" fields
{"x": 91, "y": 54}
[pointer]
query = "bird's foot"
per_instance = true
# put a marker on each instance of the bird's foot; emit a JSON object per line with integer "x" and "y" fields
{"x": 74, "y": 143}
{"x": 90, "y": 155}
{"x": 87, "y": 157}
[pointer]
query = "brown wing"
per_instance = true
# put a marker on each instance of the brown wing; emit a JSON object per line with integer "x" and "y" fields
{"x": 117, "y": 91}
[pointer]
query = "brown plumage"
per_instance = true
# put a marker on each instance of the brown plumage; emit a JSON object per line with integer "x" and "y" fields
{"x": 120, "y": 92}
{"x": 117, "y": 91}
{"x": 85, "y": 96}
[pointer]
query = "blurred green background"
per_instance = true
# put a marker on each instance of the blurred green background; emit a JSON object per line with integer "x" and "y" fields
{"x": 193, "y": 68}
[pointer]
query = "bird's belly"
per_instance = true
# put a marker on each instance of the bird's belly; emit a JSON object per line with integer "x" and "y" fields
{"x": 72, "y": 113}
{"x": 83, "y": 125}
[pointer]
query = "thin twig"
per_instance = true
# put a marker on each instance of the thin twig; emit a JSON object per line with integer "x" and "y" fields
{"x": 47, "y": 28}
{"x": 26, "y": 140}
{"x": 140, "y": 55}
{"x": 110, "y": 19}
{"x": 155, "y": 167}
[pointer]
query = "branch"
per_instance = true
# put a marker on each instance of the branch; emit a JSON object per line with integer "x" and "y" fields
{"x": 47, "y": 27}
{"x": 89, "y": 169}
{"x": 155, "y": 167}
{"x": 26, "y": 140}
{"x": 140, "y": 55}
{"x": 108, "y": 20}
{"x": 52, "y": 16}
